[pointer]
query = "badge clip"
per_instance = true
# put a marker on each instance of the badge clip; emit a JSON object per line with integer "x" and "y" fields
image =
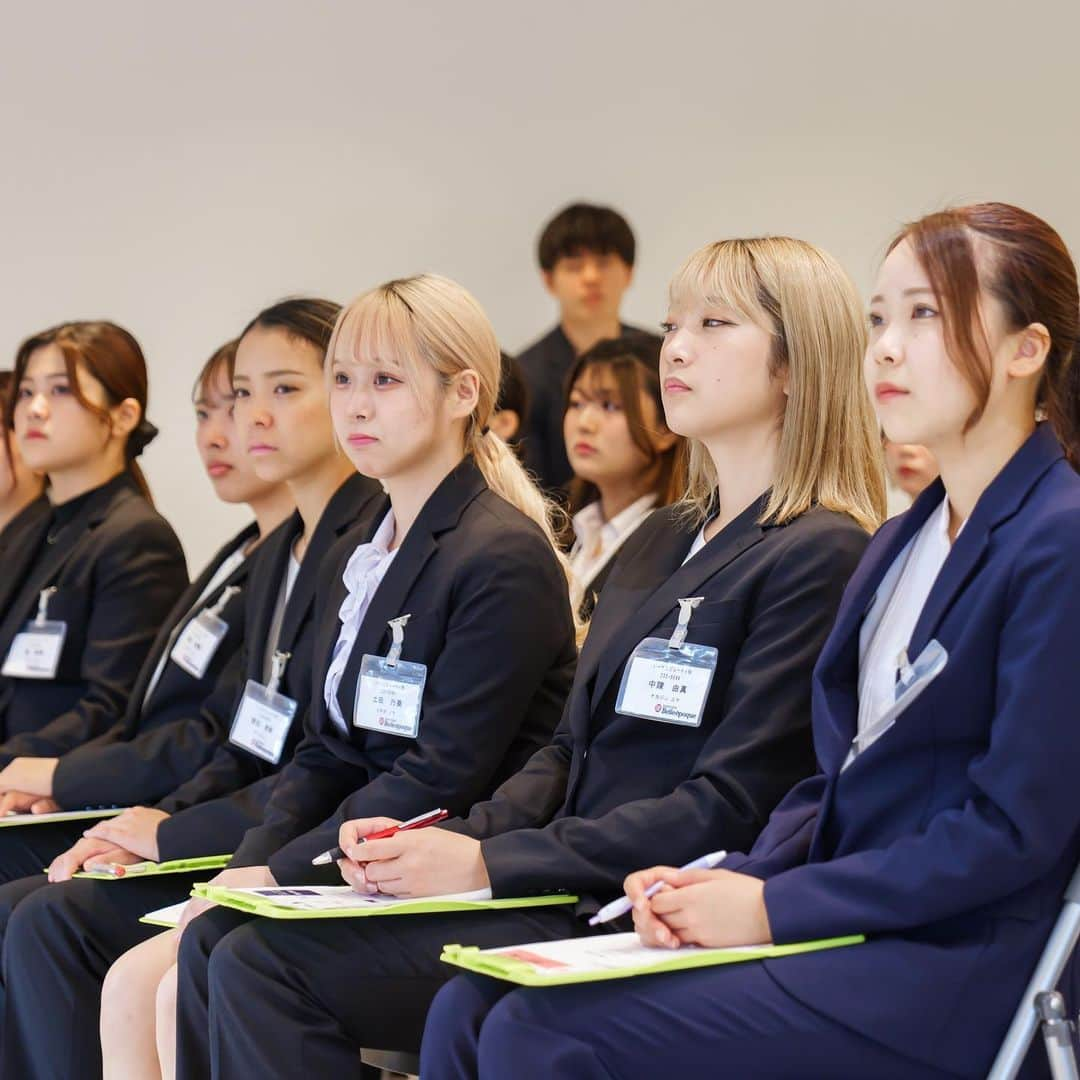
{"x": 686, "y": 609}
{"x": 397, "y": 628}
{"x": 229, "y": 592}
{"x": 43, "y": 605}
{"x": 277, "y": 669}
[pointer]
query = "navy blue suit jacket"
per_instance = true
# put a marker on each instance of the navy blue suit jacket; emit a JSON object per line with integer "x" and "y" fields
{"x": 950, "y": 840}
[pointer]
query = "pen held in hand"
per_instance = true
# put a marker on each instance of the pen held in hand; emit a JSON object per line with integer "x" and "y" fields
{"x": 624, "y": 904}
{"x": 418, "y": 822}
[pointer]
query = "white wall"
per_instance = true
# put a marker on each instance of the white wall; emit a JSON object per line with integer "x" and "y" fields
{"x": 177, "y": 166}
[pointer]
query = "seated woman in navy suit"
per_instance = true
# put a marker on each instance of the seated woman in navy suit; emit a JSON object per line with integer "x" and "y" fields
{"x": 944, "y": 824}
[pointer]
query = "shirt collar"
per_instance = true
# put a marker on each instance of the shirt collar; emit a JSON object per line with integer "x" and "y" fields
{"x": 590, "y": 519}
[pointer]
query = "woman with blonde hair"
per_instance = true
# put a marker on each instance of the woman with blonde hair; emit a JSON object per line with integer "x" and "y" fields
{"x": 689, "y": 715}
{"x": 450, "y": 568}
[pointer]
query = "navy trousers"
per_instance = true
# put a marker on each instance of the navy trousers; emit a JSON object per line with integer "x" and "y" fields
{"x": 732, "y": 1022}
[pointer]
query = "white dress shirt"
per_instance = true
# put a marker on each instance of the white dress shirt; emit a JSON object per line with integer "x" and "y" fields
{"x": 364, "y": 571}
{"x": 892, "y": 618}
{"x": 596, "y": 540}
{"x": 292, "y": 572}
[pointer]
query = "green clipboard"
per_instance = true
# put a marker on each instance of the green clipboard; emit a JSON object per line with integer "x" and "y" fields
{"x": 539, "y": 964}
{"x": 353, "y": 905}
{"x": 154, "y": 869}
{"x": 13, "y": 820}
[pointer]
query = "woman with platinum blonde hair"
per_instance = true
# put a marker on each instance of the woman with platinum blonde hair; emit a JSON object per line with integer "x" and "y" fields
{"x": 458, "y": 568}
{"x": 760, "y": 336}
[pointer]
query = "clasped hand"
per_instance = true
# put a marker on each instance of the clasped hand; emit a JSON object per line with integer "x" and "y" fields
{"x": 712, "y": 908}
{"x": 418, "y": 862}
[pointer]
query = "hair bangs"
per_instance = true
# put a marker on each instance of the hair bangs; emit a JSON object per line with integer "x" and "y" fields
{"x": 722, "y": 274}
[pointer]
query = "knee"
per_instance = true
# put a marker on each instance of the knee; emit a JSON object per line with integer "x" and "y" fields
{"x": 124, "y": 994}
{"x": 234, "y": 955}
{"x": 31, "y": 925}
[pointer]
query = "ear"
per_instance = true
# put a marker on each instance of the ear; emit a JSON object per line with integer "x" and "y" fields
{"x": 1029, "y": 354}
{"x": 125, "y": 417}
{"x": 464, "y": 393}
{"x": 548, "y": 278}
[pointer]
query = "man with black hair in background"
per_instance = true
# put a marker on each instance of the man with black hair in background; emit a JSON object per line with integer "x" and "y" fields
{"x": 586, "y": 256}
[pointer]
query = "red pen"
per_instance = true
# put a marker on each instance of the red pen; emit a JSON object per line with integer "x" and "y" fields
{"x": 418, "y": 822}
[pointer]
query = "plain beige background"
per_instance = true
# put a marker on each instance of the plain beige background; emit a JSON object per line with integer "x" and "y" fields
{"x": 175, "y": 167}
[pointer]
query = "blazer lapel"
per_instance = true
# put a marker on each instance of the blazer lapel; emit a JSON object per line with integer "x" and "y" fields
{"x": 681, "y": 581}
{"x": 341, "y": 512}
{"x": 182, "y": 610}
{"x": 1001, "y": 499}
{"x": 442, "y": 511}
{"x": 59, "y": 548}
{"x": 19, "y": 556}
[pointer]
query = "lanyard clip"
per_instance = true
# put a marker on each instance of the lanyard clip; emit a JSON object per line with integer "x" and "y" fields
{"x": 686, "y": 609}
{"x": 397, "y": 628}
{"x": 229, "y": 592}
{"x": 277, "y": 669}
{"x": 43, "y": 605}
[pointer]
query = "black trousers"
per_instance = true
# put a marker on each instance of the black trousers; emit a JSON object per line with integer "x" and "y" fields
{"x": 285, "y": 999}
{"x": 59, "y": 943}
{"x": 27, "y": 850}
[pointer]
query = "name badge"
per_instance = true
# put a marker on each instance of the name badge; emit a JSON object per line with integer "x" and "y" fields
{"x": 389, "y": 695}
{"x": 199, "y": 641}
{"x": 669, "y": 680}
{"x": 263, "y": 718}
{"x": 35, "y": 651}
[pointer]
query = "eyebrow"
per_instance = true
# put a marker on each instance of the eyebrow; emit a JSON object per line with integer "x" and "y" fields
{"x": 914, "y": 291}
{"x": 270, "y": 375}
{"x": 54, "y": 375}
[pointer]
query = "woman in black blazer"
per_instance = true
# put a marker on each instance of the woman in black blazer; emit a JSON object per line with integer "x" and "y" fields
{"x": 22, "y": 500}
{"x": 464, "y": 548}
{"x": 785, "y": 481}
{"x": 83, "y": 593}
{"x": 162, "y": 731}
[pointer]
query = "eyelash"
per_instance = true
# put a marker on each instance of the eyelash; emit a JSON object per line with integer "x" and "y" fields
{"x": 707, "y": 324}
{"x": 343, "y": 380}
{"x": 877, "y": 321}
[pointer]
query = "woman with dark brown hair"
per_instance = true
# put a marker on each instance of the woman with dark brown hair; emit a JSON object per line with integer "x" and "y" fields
{"x": 626, "y": 462}
{"x": 944, "y": 824}
{"x": 21, "y": 500}
{"x": 84, "y": 592}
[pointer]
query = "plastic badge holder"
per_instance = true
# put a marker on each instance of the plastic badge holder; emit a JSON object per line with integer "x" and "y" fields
{"x": 669, "y": 680}
{"x": 390, "y": 691}
{"x": 199, "y": 641}
{"x": 264, "y": 717}
{"x": 35, "y": 652}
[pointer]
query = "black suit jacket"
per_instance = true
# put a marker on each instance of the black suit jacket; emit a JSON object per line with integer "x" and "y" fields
{"x": 490, "y": 620}
{"x": 545, "y": 365}
{"x": 213, "y": 809}
{"x": 159, "y": 744}
{"x": 118, "y": 569}
{"x": 21, "y": 537}
{"x": 612, "y": 793}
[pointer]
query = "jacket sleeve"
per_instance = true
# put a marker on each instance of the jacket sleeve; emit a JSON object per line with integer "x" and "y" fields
{"x": 785, "y": 840}
{"x": 217, "y": 826}
{"x": 755, "y": 754}
{"x": 141, "y": 575}
{"x": 487, "y": 673}
{"x": 1024, "y": 814}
